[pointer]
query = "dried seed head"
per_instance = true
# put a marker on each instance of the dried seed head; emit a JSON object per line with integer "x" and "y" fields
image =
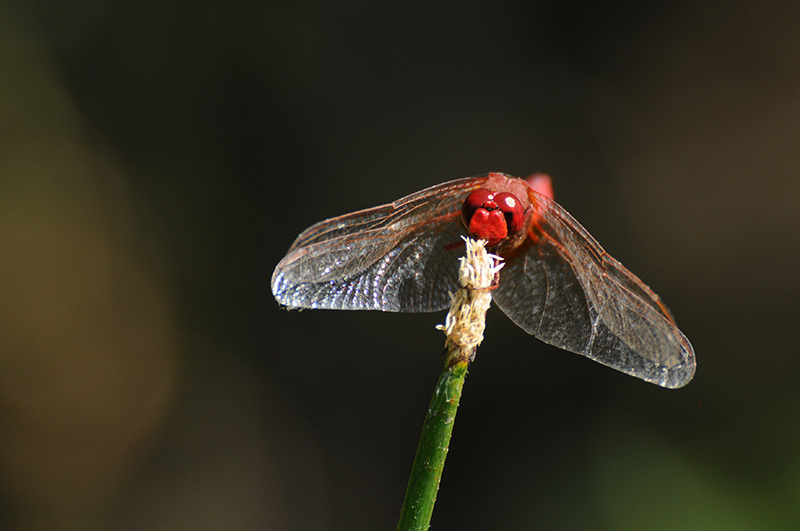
{"x": 466, "y": 319}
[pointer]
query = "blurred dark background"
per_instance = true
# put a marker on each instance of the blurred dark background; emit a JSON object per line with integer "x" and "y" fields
{"x": 158, "y": 158}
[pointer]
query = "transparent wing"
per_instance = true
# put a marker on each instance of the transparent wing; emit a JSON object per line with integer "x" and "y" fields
{"x": 400, "y": 257}
{"x": 564, "y": 289}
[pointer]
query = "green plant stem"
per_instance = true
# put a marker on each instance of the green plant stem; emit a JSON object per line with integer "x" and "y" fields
{"x": 432, "y": 450}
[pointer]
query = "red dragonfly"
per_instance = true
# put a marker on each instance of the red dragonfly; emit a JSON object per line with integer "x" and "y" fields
{"x": 558, "y": 284}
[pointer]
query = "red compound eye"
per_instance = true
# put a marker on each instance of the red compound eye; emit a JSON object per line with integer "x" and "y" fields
{"x": 512, "y": 210}
{"x": 480, "y": 198}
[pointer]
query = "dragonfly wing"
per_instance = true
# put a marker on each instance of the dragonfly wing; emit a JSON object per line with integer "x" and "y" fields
{"x": 541, "y": 294}
{"x": 568, "y": 292}
{"x": 401, "y": 257}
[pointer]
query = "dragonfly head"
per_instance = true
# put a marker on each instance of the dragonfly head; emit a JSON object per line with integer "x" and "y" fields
{"x": 492, "y": 216}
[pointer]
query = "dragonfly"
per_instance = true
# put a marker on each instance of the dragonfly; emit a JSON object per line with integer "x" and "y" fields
{"x": 558, "y": 284}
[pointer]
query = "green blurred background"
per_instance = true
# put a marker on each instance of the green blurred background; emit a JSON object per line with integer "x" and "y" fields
{"x": 158, "y": 158}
